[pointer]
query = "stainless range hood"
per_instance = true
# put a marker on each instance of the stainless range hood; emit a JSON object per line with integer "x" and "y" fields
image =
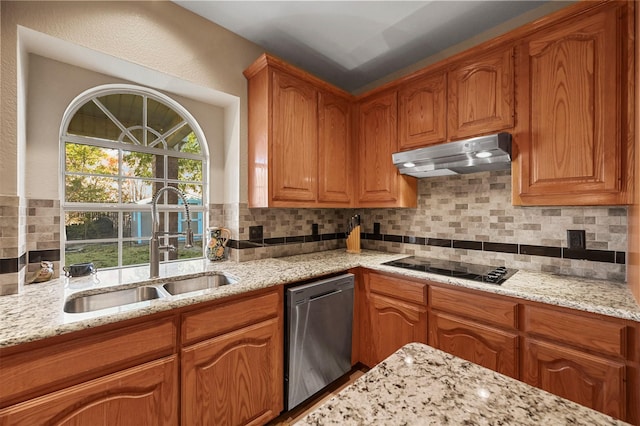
{"x": 484, "y": 153}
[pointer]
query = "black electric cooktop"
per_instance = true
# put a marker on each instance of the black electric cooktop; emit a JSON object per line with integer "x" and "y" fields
{"x": 482, "y": 273}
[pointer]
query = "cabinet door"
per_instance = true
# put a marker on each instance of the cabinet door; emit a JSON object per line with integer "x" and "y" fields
{"x": 571, "y": 149}
{"x": 589, "y": 380}
{"x": 294, "y": 164}
{"x": 335, "y": 159}
{"x": 423, "y": 112}
{"x": 481, "y": 95}
{"x": 143, "y": 395}
{"x": 393, "y": 324}
{"x": 234, "y": 379}
{"x": 380, "y": 183}
{"x": 487, "y": 346}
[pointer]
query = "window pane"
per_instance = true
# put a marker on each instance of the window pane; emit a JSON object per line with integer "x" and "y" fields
{"x": 161, "y": 118}
{"x": 193, "y": 193}
{"x": 135, "y": 252}
{"x": 193, "y": 252}
{"x": 91, "y": 189}
{"x": 190, "y": 143}
{"x": 91, "y": 225}
{"x": 137, "y": 191}
{"x": 189, "y": 169}
{"x": 91, "y": 121}
{"x": 90, "y": 159}
{"x": 140, "y": 164}
{"x": 125, "y": 107}
{"x": 103, "y": 255}
{"x": 137, "y": 225}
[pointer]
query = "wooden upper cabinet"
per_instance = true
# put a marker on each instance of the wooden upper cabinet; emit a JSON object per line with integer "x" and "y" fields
{"x": 295, "y": 139}
{"x": 300, "y": 138}
{"x": 481, "y": 95}
{"x": 380, "y": 184}
{"x": 335, "y": 157}
{"x": 422, "y": 118}
{"x": 571, "y": 85}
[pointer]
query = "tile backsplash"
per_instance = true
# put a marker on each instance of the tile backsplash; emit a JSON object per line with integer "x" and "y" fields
{"x": 466, "y": 217}
{"x": 472, "y": 215}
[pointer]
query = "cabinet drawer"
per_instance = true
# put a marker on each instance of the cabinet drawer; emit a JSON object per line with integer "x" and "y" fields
{"x": 398, "y": 288}
{"x": 31, "y": 373}
{"x": 219, "y": 319}
{"x": 590, "y": 333}
{"x": 496, "y": 311}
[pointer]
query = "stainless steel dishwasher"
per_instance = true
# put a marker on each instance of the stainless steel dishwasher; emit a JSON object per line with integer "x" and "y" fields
{"x": 318, "y": 341}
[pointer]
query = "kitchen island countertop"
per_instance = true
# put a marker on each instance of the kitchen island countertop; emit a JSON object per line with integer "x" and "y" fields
{"x": 420, "y": 385}
{"x": 37, "y": 312}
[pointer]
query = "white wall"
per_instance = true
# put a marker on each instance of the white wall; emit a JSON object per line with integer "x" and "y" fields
{"x": 52, "y": 85}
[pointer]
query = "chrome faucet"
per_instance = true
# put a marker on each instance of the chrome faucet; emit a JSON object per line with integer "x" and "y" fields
{"x": 154, "y": 242}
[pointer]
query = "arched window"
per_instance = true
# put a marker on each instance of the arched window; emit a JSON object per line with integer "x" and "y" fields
{"x": 119, "y": 145}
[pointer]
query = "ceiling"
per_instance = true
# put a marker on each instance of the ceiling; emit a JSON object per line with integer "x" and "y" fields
{"x": 353, "y": 43}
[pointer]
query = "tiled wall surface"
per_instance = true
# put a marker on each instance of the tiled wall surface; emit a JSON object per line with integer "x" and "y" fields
{"x": 12, "y": 246}
{"x": 465, "y": 210}
{"x": 43, "y": 234}
{"x": 478, "y": 208}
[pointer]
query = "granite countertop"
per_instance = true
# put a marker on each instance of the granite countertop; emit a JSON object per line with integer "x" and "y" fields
{"x": 420, "y": 385}
{"x": 37, "y": 312}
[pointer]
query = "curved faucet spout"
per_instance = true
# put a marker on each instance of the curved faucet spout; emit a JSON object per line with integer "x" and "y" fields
{"x": 154, "y": 242}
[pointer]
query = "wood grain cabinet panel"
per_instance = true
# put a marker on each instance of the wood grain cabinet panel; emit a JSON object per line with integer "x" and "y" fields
{"x": 335, "y": 156}
{"x": 589, "y": 333}
{"x": 490, "y": 347}
{"x": 295, "y": 139}
{"x": 380, "y": 183}
{"x": 146, "y": 395}
{"x": 234, "y": 379}
{"x": 394, "y": 323}
{"x": 51, "y": 367}
{"x": 593, "y": 381}
{"x": 398, "y": 288}
{"x": 484, "y": 308}
{"x": 481, "y": 92}
{"x": 571, "y": 82}
{"x": 422, "y": 118}
{"x": 300, "y": 138}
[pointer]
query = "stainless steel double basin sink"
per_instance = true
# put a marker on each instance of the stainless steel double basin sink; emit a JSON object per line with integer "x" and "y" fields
{"x": 128, "y": 296}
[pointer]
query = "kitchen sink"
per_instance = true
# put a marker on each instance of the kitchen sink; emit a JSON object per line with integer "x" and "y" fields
{"x": 111, "y": 299}
{"x": 198, "y": 283}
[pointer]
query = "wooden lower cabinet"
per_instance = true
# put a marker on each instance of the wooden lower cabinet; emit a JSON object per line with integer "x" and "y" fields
{"x": 394, "y": 323}
{"x": 235, "y": 378}
{"x": 483, "y": 345}
{"x": 590, "y": 380}
{"x": 142, "y": 395}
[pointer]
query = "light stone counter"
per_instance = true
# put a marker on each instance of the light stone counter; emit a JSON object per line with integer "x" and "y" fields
{"x": 37, "y": 313}
{"x": 420, "y": 385}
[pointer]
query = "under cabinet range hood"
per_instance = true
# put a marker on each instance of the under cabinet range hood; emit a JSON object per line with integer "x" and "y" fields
{"x": 484, "y": 153}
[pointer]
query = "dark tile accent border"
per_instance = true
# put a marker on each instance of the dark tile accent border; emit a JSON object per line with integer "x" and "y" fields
{"x": 393, "y": 238}
{"x": 469, "y": 245}
{"x": 13, "y": 265}
{"x": 438, "y": 242}
{"x": 594, "y": 255}
{"x": 36, "y": 256}
{"x": 500, "y": 247}
{"x": 541, "y": 250}
{"x": 532, "y": 250}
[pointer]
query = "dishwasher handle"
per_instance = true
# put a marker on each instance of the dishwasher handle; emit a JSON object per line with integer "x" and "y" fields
{"x": 323, "y": 295}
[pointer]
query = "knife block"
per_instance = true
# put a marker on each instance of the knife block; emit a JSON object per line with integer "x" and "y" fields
{"x": 353, "y": 240}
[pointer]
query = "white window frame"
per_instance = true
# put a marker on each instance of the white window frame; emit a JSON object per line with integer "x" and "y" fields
{"x": 143, "y": 146}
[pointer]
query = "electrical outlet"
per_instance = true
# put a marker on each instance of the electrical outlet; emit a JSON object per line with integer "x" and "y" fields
{"x": 576, "y": 239}
{"x": 376, "y": 228}
{"x": 255, "y": 233}
{"x": 314, "y": 229}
